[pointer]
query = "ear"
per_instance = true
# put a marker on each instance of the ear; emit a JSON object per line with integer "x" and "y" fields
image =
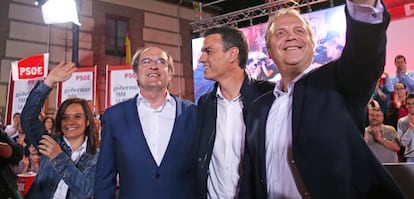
{"x": 234, "y": 54}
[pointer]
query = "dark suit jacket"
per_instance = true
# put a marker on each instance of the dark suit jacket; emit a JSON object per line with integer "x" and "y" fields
{"x": 206, "y": 125}
{"x": 328, "y": 114}
{"x": 124, "y": 150}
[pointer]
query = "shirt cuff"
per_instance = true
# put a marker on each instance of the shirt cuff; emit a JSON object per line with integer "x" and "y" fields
{"x": 366, "y": 13}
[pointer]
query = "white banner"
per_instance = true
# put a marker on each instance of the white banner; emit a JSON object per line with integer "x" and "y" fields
{"x": 121, "y": 84}
{"x": 18, "y": 92}
{"x": 81, "y": 85}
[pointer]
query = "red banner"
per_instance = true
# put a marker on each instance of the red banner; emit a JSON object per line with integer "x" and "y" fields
{"x": 400, "y": 8}
{"x": 32, "y": 67}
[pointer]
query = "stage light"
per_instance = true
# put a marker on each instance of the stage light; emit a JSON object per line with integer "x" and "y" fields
{"x": 60, "y": 11}
{"x": 40, "y": 2}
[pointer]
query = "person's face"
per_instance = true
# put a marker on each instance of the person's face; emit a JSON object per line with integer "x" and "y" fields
{"x": 20, "y": 139}
{"x": 375, "y": 117}
{"x": 48, "y": 124}
{"x": 216, "y": 61}
{"x": 74, "y": 121}
{"x": 400, "y": 64}
{"x": 400, "y": 90}
{"x": 290, "y": 45}
{"x": 409, "y": 104}
{"x": 152, "y": 70}
{"x": 33, "y": 154}
{"x": 16, "y": 120}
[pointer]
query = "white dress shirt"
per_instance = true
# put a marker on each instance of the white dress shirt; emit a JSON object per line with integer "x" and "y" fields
{"x": 224, "y": 176}
{"x": 281, "y": 182}
{"x": 62, "y": 188}
{"x": 157, "y": 124}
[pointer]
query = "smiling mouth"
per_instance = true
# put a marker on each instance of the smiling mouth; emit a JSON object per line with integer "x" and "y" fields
{"x": 153, "y": 75}
{"x": 292, "y": 48}
{"x": 71, "y": 128}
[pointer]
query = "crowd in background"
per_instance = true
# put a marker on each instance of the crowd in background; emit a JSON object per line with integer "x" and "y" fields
{"x": 390, "y": 126}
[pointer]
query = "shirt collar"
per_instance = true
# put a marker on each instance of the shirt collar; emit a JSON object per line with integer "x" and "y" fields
{"x": 278, "y": 91}
{"x": 168, "y": 99}
{"x": 220, "y": 96}
{"x": 82, "y": 146}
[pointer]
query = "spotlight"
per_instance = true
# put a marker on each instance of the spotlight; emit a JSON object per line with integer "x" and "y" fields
{"x": 40, "y": 2}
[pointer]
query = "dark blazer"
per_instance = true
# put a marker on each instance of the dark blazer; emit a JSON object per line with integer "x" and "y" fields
{"x": 206, "y": 125}
{"x": 124, "y": 150}
{"x": 8, "y": 179}
{"x": 328, "y": 114}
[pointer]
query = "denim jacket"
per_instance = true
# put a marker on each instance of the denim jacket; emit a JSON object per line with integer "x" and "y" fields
{"x": 79, "y": 176}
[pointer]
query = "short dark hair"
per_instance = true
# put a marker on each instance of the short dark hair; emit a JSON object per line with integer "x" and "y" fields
{"x": 16, "y": 114}
{"x": 410, "y": 96}
{"x": 232, "y": 37}
{"x": 399, "y": 57}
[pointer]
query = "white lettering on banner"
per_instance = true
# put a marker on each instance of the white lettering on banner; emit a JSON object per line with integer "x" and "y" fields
{"x": 409, "y": 9}
{"x": 31, "y": 71}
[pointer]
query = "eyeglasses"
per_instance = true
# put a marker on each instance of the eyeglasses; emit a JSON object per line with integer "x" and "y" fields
{"x": 147, "y": 62}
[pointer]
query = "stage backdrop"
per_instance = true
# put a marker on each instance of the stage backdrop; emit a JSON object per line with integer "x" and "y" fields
{"x": 328, "y": 27}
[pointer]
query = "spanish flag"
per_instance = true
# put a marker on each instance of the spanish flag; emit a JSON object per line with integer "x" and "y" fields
{"x": 128, "y": 55}
{"x": 198, "y": 9}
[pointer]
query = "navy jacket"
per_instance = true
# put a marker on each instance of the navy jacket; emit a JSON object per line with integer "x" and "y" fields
{"x": 206, "y": 125}
{"x": 328, "y": 114}
{"x": 124, "y": 150}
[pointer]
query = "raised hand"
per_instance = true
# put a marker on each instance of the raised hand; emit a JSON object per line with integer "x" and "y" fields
{"x": 62, "y": 72}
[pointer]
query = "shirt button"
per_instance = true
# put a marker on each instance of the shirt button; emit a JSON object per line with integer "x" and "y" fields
{"x": 293, "y": 162}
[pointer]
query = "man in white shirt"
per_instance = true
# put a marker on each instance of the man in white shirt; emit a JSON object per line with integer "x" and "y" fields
{"x": 304, "y": 139}
{"x": 220, "y": 127}
{"x": 147, "y": 139}
{"x": 12, "y": 129}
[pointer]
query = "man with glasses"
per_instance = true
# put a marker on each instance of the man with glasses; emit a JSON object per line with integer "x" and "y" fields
{"x": 147, "y": 139}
